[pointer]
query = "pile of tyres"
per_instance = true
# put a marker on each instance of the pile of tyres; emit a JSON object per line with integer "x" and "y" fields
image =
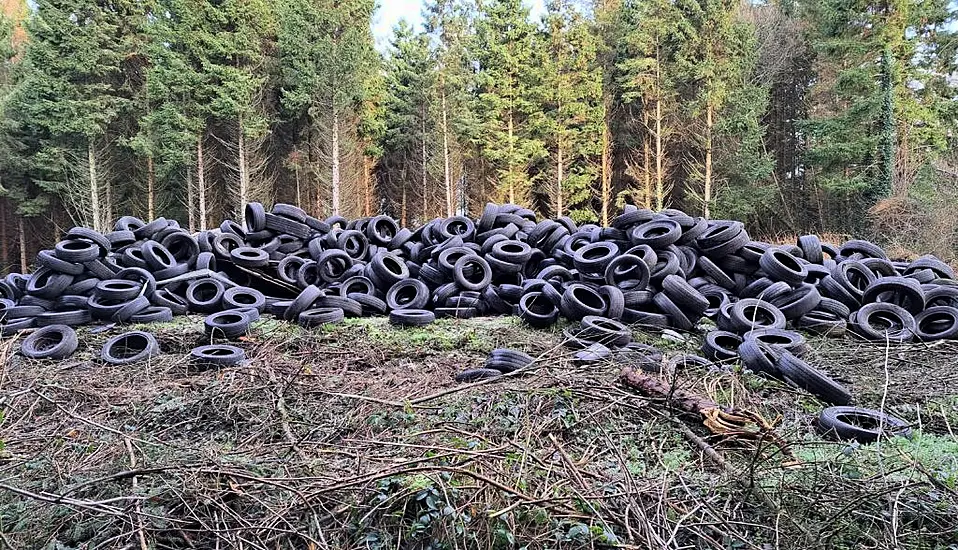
{"x": 654, "y": 269}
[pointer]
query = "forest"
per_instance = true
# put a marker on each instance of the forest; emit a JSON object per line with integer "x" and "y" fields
{"x": 795, "y": 116}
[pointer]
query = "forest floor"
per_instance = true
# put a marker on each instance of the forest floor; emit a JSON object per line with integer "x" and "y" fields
{"x": 356, "y": 436}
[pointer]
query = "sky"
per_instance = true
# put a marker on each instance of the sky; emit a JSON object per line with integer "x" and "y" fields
{"x": 391, "y": 11}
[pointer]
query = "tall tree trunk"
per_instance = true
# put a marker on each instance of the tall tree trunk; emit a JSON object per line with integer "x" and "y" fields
{"x": 425, "y": 169}
{"x": 299, "y": 191}
{"x": 190, "y": 200}
{"x": 367, "y": 187}
{"x": 708, "y": 158}
{"x": 559, "y": 163}
{"x": 335, "y": 175}
{"x": 659, "y": 152}
{"x": 646, "y": 162}
{"x": 512, "y": 188}
{"x": 659, "y": 158}
{"x": 201, "y": 182}
{"x": 150, "y": 188}
{"x": 606, "y": 168}
{"x": 243, "y": 171}
{"x": 22, "y": 237}
{"x": 446, "y": 169}
{"x": 95, "y": 211}
{"x": 4, "y": 249}
{"x": 402, "y": 209}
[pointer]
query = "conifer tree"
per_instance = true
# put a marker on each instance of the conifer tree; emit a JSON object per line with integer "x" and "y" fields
{"x": 508, "y": 85}
{"x": 573, "y": 105}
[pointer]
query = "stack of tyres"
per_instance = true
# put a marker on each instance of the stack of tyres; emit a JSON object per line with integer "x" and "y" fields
{"x": 652, "y": 269}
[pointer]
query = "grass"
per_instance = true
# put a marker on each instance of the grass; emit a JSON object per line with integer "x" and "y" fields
{"x": 356, "y": 436}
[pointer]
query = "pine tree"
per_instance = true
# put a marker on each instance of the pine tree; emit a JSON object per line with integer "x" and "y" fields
{"x": 71, "y": 93}
{"x": 645, "y": 76}
{"x": 711, "y": 65}
{"x": 574, "y": 113}
{"x": 408, "y": 138}
{"x": 326, "y": 56}
{"x": 447, "y": 25}
{"x": 878, "y": 100}
{"x": 508, "y": 81}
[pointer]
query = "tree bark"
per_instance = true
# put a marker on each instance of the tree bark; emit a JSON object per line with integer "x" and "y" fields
{"x": 659, "y": 152}
{"x": 606, "y": 168}
{"x": 299, "y": 191}
{"x": 201, "y": 182}
{"x": 4, "y": 249}
{"x": 402, "y": 209}
{"x": 512, "y": 188}
{"x": 367, "y": 187}
{"x": 659, "y": 158}
{"x": 150, "y": 188}
{"x": 559, "y": 162}
{"x": 708, "y": 158}
{"x": 22, "y": 237}
{"x": 646, "y": 162}
{"x": 243, "y": 171}
{"x": 447, "y": 171}
{"x": 425, "y": 169}
{"x": 335, "y": 174}
{"x": 95, "y": 211}
{"x": 190, "y": 200}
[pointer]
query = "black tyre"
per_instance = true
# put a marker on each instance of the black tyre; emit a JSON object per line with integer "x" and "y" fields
{"x": 473, "y": 375}
{"x": 902, "y": 291}
{"x": 68, "y": 317}
{"x": 880, "y": 321}
{"x": 204, "y": 295}
{"x": 937, "y": 323}
{"x": 788, "y": 340}
{"x": 321, "y": 316}
{"x": 248, "y": 256}
{"x": 218, "y": 355}
{"x": 118, "y": 289}
{"x": 371, "y": 305}
{"x": 862, "y": 425}
{"x": 77, "y": 250}
{"x": 812, "y": 380}
{"x": 255, "y": 216}
{"x": 127, "y": 310}
{"x": 153, "y": 314}
{"x": 411, "y": 317}
{"x": 228, "y": 324}
{"x": 751, "y": 313}
{"x": 408, "y": 294}
{"x": 782, "y": 266}
{"x": 797, "y": 302}
{"x": 811, "y": 247}
{"x": 243, "y": 297}
{"x": 156, "y": 256}
{"x": 508, "y": 360}
{"x": 683, "y": 295}
{"x": 658, "y": 233}
{"x": 48, "y": 284}
{"x": 129, "y": 347}
{"x": 305, "y": 300}
{"x": 472, "y": 273}
{"x": 677, "y": 317}
{"x": 50, "y": 342}
{"x": 537, "y": 310}
{"x": 47, "y": 259}
{"x": 721, "y": 345}
{"x": 164, "y": 298}
{"x": 758, "y": 357}
{"x": 579, "y": 300}
{"x": 606, "y": 331}
{"x": 628, "y": 272}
